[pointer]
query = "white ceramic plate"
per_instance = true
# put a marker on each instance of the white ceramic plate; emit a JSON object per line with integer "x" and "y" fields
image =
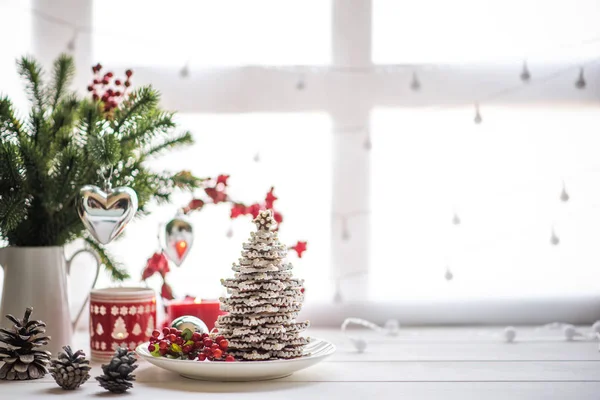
{"x": 316, "y": 351}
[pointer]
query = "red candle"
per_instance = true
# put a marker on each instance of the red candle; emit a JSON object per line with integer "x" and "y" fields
{"x": 206, "y": 310}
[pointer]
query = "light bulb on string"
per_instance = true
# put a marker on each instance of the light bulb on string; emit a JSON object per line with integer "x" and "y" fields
{"x": 477, "y": 118}
{"x": 300, "y": 84}
{"x": 455, "y": 219}
{"x": 525, "y": 74}
{"x": 554, "y": 239}
{"x": 564, "y": 196}
{"x": 345, "y": 230}
{"x": 415, "y": 85}
{"x": 367, "y": 144}
{"x": 72, "y": 43}
{"x": 184, "y": 72}
{"x": 448, "y": 275}
{"x": 580, "y": 82}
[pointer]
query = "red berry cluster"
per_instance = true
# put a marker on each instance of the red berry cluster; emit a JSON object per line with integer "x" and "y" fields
{"x": 110, "y": 91}
{"x": 188, "y": 345}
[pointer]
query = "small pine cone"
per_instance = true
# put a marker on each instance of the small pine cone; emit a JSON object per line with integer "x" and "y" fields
{"x": 118, "y": 375}
{"x": 21, "y": 356}
{"x": 71, "y": 370}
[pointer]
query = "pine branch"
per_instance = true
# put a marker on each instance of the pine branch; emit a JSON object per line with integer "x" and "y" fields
{"x": 10, "y": 126}
{"x": 117, "y": 272}
{"x": 138, "y": 104}
{"x": 64, "y": 71}
{"x": 156, "y": 122}
{"x": 31, "y": 71}
{"x": 181, "y": 140}
{"x": 12, "y": 211}
{"x": 11, "y": 167}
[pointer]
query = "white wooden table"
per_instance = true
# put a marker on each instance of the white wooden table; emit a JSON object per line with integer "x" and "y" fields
{"x": 424, "y": 363}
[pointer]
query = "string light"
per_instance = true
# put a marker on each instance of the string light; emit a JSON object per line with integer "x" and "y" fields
{"x": 448, "y": 275}
{"x": 455, "y": 219}
{"x": 580, "y": 82}
{"x": 367, "y": 144}
{"x": 415, "y": 85}
{"x": 564, "y": 196}
{"x": 345, "y": 230}
{"x": 477, "y": 118}
{"x": 525, "y": 74}
{"x": 184, "y": 72}
{"x": 72, "y": 43}
{"x": 554, "y": 239}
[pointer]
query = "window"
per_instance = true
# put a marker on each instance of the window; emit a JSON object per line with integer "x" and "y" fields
{"x": 212, "y": 33}
{"x": 329, "y": 77}
{"x": 289, "y": 161}
{"x": 503, "y": 179}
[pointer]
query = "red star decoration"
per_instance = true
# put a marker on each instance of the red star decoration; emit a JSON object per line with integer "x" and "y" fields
{"x": 237, "y": 210}
{"x": 217, "y": 196}
{"x": 157, "y": 263}
{"x": 277, "y": 217}
{"x": 166, "y": 292}
{"x": 222, "y": 179}
{"x": 195, "y": 204}
{"x": 300, "y": 248}
{"x": 270, "y": 198}
{"x": 254, "y": 210}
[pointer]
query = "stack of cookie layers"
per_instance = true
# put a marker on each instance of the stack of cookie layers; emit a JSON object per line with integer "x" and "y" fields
{"x": 264, "y": 300}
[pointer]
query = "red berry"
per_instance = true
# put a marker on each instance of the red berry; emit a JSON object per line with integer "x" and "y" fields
{"x": 151, "y": 347}
{"x": 171, "y": 337}
{"x": 163, "y": 344}
{"x": 219, "y": 338}
{"x": 96, "y": 81}
{"x": 198, "y": 345}
{"x": 95, "y": 97}
{"x": 90, "y": 88}
{"x": 207, "y": 351}
{"x": 214, "y": 346}
{"x": 218, "y": 353}
{"x": 109, "y": 74}
{"x": 179, "y": 341}
{"x": 173, "y": 330}
{"x": 186, "y": 349}
{"x": 223, "y": 344}
{"x": 204, "y": 335}
{"x": 105, "y": 97}
{"x": 207, "y": 342}
{"x": 127, "y": 84}
{"x": 166, "y": 330}
{"x": 128, "y": 73}
{"x": 163, "y": 352}
{"x": 98, "y": 66}
{"x": 229, "y": 358}
{"x": 155, "y": 333}
{"x": 105, "y": 81}
{"x": 117, "y": 93}
{"x": 196, "y": 336}
{"x": 201, "y": 357}
{"x": 118, "y": 82}
{"x": 179, "y": 332}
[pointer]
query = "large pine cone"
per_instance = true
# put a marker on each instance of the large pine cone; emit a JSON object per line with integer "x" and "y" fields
{"x": 117, "y": 376}
{"x": 71, "y": 370}
{"x": 20, "y": 354}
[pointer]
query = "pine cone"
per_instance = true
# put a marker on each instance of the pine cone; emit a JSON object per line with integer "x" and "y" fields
{"x": 21, "y": 355}
{"x": 117, "y": 376}
{"x": 71, "y": 370}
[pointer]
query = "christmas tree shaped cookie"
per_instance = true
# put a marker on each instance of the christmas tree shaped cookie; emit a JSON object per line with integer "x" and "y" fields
{"x": 264, "y": 300}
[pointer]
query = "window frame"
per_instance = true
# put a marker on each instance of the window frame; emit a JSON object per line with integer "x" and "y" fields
{"x": 348, "y": 91}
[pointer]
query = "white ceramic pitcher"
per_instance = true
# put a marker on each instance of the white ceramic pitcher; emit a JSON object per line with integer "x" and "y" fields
{"x": 37, "y": 277}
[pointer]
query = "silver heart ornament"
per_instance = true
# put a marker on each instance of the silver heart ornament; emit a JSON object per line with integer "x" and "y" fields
{"x": 178, "y": 239}
{"x": 105, "y": 215}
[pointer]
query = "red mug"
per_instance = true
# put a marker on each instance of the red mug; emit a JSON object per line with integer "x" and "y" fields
{"x": 120, "y": 317}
